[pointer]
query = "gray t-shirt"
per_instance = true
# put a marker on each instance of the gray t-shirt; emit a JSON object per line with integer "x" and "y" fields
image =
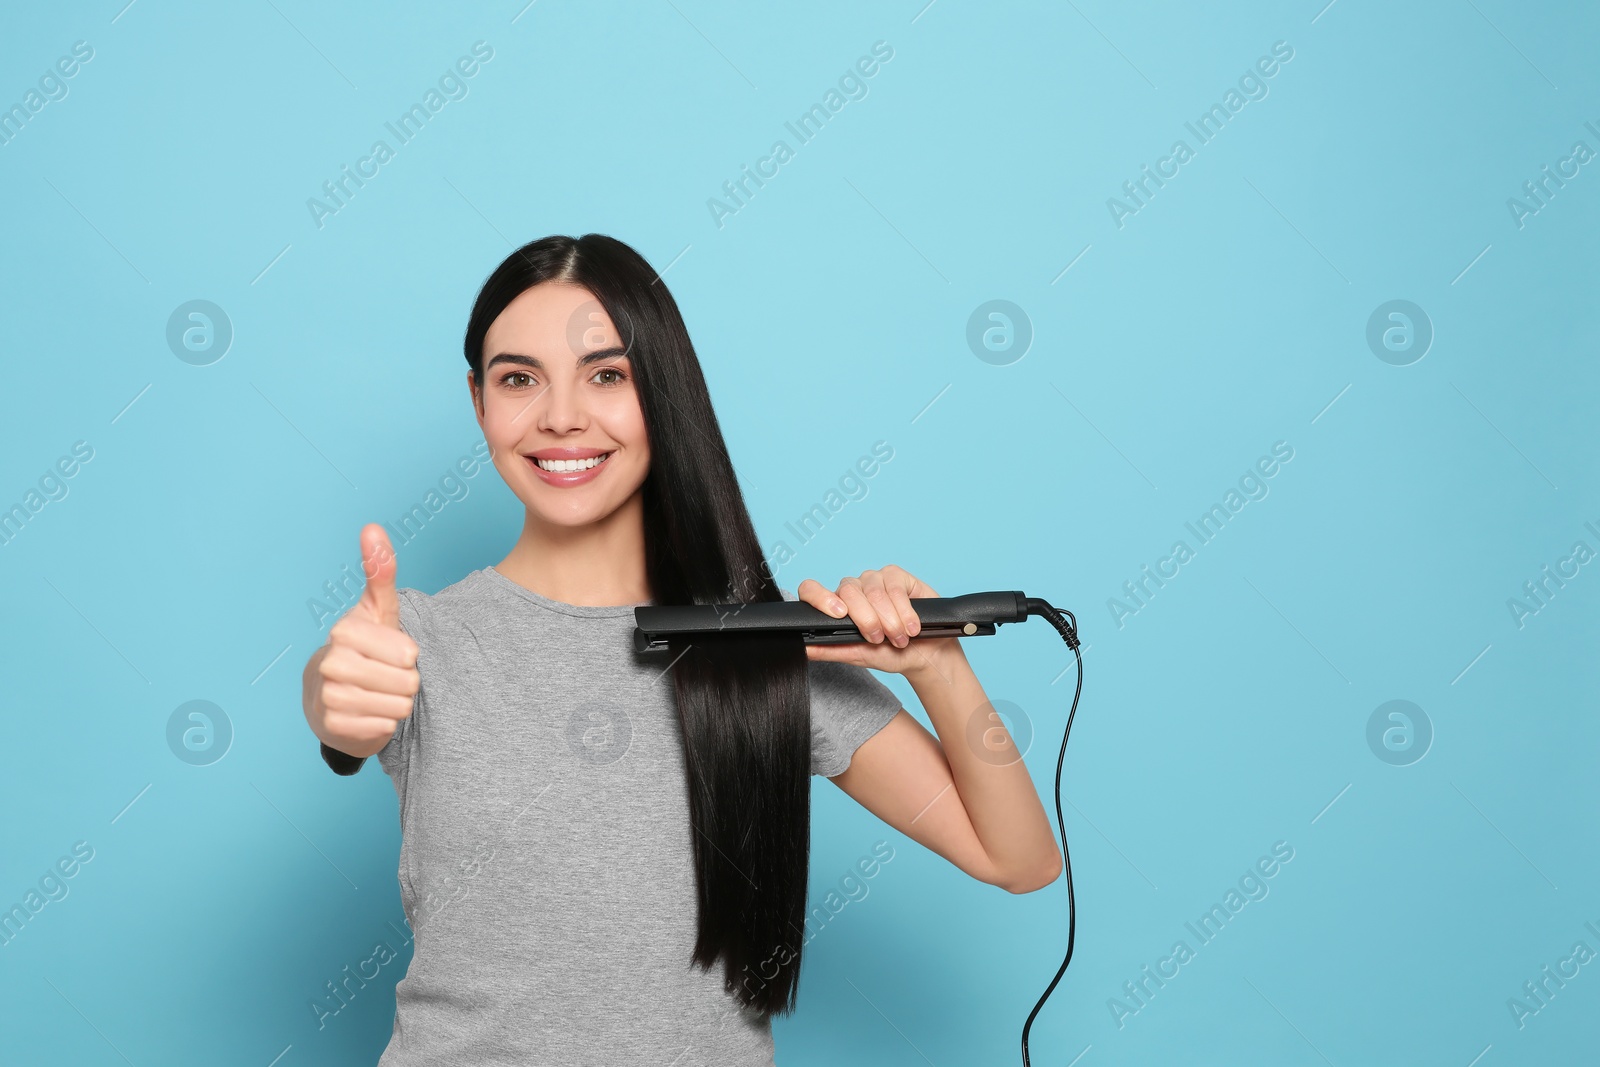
{"x": 546, "y": 866}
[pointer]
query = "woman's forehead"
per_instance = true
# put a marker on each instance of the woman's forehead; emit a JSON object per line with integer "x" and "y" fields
{"x": 552, "y": 321}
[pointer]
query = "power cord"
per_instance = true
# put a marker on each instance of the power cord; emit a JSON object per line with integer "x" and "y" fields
{"x": 1068, "y": 628}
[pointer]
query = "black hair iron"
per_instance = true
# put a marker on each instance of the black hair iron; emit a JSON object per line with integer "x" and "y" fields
{"x": 972, "y": 615}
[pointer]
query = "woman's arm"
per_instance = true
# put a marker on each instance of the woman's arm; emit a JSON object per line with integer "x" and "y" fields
{"x": 966, "y": 794}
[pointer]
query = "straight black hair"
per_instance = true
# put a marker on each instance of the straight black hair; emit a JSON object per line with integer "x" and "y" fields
{"x": 743, "y": 702}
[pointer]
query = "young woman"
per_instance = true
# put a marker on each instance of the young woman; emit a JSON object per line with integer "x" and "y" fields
{"x": 588, "y": 830}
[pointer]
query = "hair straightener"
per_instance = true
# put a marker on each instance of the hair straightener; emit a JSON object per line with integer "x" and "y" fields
{"x": 972, "y": 615}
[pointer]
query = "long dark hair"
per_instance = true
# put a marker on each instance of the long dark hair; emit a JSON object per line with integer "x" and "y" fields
{"x": 743, "y": 702}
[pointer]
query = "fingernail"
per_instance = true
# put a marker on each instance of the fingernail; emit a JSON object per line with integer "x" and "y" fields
{"x": 838, "y": 607}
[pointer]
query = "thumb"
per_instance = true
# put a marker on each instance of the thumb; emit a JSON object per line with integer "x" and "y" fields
{"x": 378, "y": 563}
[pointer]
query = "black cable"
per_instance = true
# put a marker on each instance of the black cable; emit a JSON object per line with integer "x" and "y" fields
{"x": 1068, "y": 628}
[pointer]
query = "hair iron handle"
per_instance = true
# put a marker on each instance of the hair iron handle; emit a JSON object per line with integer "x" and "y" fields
{"x": 969, "y": 615}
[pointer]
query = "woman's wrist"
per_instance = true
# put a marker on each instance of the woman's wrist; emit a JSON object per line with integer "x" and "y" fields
{"x": 936, "y": 660}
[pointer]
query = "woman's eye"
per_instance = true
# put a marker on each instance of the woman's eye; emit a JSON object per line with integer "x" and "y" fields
{"x": 517, "y": 379}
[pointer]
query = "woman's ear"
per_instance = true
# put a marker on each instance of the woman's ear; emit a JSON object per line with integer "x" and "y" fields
{"x": 477, "y": 401}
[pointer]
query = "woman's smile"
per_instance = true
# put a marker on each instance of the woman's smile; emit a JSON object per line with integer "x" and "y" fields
{"x": 565, "y": 467}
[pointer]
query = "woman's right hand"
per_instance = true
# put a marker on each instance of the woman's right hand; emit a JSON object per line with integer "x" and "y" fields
{"x": 360, "y": 684}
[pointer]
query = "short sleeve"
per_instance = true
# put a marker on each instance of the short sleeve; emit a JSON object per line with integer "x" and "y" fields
{"x": 848, "y": 705}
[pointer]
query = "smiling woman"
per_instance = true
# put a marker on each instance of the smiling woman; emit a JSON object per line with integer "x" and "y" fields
{"x": 649, "y": 812}
{"x": 661, "y": 843}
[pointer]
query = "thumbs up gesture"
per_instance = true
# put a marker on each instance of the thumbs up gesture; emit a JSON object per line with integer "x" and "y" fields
{"x": 364, "y": 680}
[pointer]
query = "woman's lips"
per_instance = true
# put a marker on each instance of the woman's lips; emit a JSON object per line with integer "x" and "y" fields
{"x": 566, "y": 479}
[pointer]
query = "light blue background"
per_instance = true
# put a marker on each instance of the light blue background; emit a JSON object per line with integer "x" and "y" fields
{"x": 830, "y": 313}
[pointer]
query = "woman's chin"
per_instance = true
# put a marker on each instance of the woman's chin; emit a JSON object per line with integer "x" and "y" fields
{"x": 573, "y": 512}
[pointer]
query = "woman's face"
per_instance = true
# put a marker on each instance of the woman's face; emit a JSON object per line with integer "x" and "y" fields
{"x": 556, "y": 383}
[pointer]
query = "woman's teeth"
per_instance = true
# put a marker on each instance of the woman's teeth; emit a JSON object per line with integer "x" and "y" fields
{"x": 567, "y": 465}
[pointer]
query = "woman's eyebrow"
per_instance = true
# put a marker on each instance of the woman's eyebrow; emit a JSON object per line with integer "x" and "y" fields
{"x": 532, "y": 361}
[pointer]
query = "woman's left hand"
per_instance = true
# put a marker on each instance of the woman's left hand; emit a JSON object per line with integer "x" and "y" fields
{"x": 878, "y": 603}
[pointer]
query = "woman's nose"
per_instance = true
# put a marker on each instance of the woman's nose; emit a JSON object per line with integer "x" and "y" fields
{"x": 560, "y": 409}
